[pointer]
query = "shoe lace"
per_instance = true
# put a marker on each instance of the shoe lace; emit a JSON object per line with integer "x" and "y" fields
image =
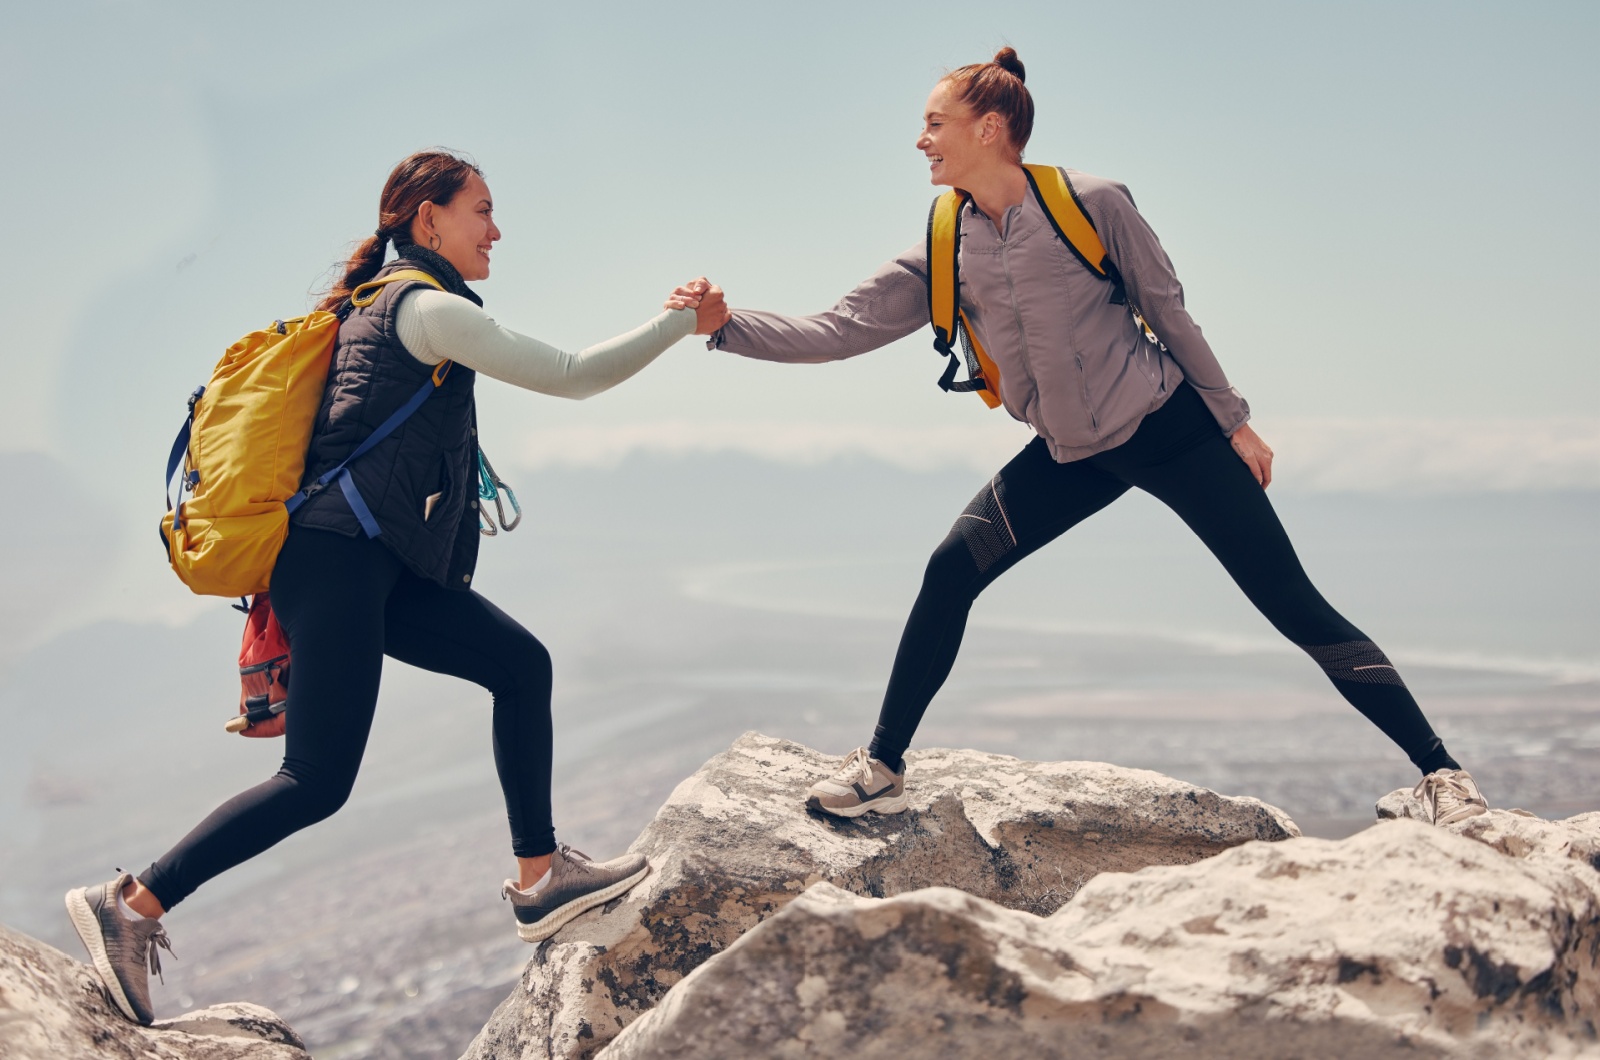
{"x": 1442, "y": 794}
{"x": 157, "y": 939}
{"x": 576, "y": 858}
{"x": 857, "y": 767}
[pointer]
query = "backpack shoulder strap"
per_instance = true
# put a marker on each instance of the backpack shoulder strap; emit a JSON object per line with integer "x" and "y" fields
{"x": 944, "y": 283}
{"x": 341, "y": 472}
{"x": 944, "y": 301}
{"x": 1069, "y": 218}
{"x": 367, "y": 293}
{"x": 1072, "y": 224}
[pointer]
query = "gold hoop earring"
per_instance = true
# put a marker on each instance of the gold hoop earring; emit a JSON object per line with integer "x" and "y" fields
{"x": 434, "y": 242}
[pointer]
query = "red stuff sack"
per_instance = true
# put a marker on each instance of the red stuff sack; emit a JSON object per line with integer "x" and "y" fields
{"x": 263, "y": 673}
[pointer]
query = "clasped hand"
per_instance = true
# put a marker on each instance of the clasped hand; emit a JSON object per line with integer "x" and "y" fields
{"x": 705, "y": 298}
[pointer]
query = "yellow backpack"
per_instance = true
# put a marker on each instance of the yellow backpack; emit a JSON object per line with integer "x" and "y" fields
{"x": 1071, "y": 223}
{"x": 242, "y": 449}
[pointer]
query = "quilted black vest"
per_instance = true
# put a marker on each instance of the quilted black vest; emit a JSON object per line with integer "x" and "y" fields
{"x": 434, "y": 452}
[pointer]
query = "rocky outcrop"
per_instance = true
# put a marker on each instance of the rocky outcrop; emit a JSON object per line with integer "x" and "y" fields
{"x": 53, "y": 1008}
{"x": 1402, "y": 941}
{"x": 733, "y": 846}
{"x": 1516, "y": 833}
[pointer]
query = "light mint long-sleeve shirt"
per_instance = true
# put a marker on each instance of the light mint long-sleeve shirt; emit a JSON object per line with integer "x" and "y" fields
{"x": 435, "y": 326}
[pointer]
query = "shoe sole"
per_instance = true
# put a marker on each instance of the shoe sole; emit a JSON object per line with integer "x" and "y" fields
{"x": 897, "y": 804}
{"x": 1464, "y": 814}
{"x": 87, "y": 925}
{"x": 559, "y": 917}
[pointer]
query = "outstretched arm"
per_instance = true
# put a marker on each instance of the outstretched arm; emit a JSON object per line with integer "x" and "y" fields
{"x": 888, "y": 305}
{"x": 435, "y": 326}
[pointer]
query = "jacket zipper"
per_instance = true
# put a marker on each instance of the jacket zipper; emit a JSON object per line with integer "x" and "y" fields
{"x": 1027, "y": 360}
{"x": 1016, "y": 313}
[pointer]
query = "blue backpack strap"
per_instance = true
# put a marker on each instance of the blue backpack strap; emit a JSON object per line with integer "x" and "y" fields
{"x": 341, "y": 472}
{"x": 180, "y": 449}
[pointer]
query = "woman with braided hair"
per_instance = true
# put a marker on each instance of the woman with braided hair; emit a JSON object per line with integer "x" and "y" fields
{"x": 1071, "y": 350}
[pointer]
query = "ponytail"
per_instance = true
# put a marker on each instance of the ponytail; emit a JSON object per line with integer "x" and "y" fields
{"x": 434, "y": 176}
{"x": 362, "y": 266}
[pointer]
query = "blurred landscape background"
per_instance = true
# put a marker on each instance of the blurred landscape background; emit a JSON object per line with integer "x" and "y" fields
{"x": 1384, "y": 217}
{"x": 687, "y": 599}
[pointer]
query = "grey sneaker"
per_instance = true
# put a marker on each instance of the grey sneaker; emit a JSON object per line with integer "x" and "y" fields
{"x": 862, "y": 785}
{"x": 121, "y": 949}
{"x": 1450, "y": 795}
{"x": 576, "y": 884}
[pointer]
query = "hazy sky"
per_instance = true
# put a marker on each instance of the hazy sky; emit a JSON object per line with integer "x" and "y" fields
{"x": 1382, "y": 212}
{"x": 1385, "y": 215}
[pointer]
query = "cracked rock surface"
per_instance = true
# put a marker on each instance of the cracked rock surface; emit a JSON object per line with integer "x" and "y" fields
{"x": 53, "y": 1008}
{"x": 734, "y": 845}
{"x": 1402, "y": 941}
{"x": 1516, "y": 833}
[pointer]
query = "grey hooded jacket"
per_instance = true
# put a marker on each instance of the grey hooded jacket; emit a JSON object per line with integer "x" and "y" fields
{"x": 1073, "y": 364}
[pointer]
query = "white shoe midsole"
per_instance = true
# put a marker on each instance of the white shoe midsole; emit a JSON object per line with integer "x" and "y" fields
{"x": 559, "y": 916}
{"x": 88, "y": 928}
{"x": 889, "y": 804}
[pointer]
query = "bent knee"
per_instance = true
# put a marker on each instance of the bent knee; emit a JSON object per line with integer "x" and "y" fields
{"x": 528, "y": 670}
{"x": 951, "y": 568}
{"x": 313, "y": 799}
{"x": 536, "y": 665}
{"x": 982, "y": 532}
{"x": 325, "y": 807}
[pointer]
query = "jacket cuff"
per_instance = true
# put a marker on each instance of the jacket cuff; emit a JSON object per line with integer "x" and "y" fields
{"x": 1226, "y": 405}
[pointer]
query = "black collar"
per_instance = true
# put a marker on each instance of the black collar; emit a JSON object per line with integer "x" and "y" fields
{"x": 413, "y": 256}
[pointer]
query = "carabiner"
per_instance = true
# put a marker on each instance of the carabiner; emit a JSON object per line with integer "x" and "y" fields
{"x": 490, "y": 487}
{"x": 515, "y": 507}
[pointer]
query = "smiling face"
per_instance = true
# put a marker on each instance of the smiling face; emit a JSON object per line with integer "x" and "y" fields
{"x": 462, "y": 231}
{"x": 960, "y": 145}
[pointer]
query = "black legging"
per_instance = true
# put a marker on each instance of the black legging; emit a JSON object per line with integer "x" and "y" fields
{"x": 1179, "y": 456}
{"x": 345, "y": 603}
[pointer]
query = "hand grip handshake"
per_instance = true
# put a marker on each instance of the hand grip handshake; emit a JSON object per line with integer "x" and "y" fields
{"x": 705, "y": 298}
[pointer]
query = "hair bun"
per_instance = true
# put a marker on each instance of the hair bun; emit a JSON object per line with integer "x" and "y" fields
{"x": 1006, "y": 59}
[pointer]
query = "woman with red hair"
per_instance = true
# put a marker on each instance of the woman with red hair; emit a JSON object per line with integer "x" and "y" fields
{"x": 1072, "y": 351}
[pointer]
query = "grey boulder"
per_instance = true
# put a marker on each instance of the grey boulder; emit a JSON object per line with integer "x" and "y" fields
{"x": 733, "y": 846}
{"x": 1403, "y": 941}
{"x": 54, "y": 1008}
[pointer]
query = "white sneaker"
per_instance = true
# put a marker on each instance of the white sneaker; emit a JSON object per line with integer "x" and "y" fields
{"x": 862, "y": 785}
{"x": 1450, "y": 795}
